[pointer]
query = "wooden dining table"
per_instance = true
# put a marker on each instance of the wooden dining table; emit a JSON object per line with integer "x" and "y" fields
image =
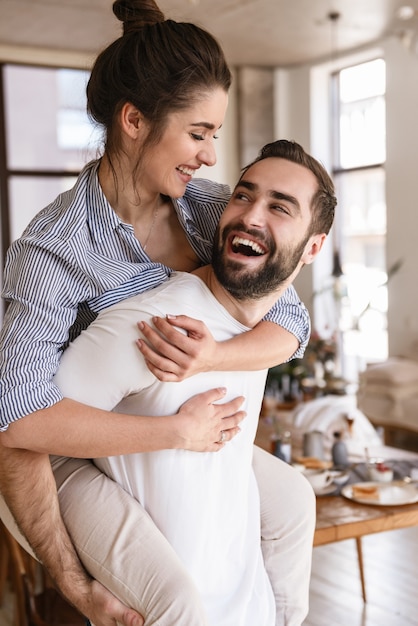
{"x": 339, "y": 518}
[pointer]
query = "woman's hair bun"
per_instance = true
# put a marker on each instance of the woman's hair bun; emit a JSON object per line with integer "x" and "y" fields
{"x": 135, "y": 14}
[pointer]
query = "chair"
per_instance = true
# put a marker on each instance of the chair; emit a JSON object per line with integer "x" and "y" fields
{"x": 37, "y": 602}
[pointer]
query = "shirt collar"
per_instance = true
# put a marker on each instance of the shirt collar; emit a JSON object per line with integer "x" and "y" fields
{"x": 100, "y": 215}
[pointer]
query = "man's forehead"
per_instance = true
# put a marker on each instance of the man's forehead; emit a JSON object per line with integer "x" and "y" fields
{"x": 278, "y": 174}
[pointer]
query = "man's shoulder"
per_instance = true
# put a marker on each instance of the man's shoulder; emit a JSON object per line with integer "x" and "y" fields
{"x": 174, "y": 289}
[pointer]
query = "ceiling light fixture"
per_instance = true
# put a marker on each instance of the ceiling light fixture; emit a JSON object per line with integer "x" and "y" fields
{"x": 405, "y": 13}
{"x": 334, "y": 17}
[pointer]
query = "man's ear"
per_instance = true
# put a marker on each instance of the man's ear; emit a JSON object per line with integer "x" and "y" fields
{"x": 313, "y": 247}
{"x": 132, "y": 120}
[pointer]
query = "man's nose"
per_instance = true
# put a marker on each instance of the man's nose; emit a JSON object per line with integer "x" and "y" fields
{"x": 255, "y": 215}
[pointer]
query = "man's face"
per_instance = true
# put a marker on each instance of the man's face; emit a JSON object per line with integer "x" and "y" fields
{"x": 263, "y": 235}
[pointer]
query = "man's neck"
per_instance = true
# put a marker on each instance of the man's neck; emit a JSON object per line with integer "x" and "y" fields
{"x": 247, "y": 312}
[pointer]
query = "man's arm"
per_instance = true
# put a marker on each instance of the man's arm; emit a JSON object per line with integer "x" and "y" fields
{"x": 34, "y": 503}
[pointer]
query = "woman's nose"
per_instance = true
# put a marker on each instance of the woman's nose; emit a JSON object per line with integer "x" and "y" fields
{"x": 207, "y": 155}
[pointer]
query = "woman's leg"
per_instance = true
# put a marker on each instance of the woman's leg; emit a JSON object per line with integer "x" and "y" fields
{"x": 287, "y": 528}
{"x": 121, "y": 547}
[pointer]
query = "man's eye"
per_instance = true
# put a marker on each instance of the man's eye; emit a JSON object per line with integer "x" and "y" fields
{"x": 240, "y": 196}
{"x": 279, "y": 207}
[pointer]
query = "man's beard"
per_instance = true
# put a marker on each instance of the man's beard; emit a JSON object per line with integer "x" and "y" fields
{"x": 252, "y": 284}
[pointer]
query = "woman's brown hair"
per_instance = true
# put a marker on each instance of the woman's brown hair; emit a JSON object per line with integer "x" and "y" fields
{"x": 158, "y": 65}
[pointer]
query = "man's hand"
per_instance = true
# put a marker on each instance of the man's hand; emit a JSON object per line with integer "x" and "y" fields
{"x": 173, "y": 356}
{"x": 202, "y": 421}
{"x": 104, "y": 609}
{"x": 28, "y": 487}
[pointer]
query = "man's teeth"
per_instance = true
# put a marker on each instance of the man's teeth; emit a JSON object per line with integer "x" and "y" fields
{"x": 186, "y": 170}
{"x": 240, "y": 241}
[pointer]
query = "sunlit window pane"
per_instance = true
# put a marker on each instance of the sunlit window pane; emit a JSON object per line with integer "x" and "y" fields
{"x": 46, "y": 120}
{"x": 361, "y": 215}
{"x": 363, "y": 81}
{"x": 362, "y": 194}
{"x": 362, "y": 132}
{"x": 28, "y": 195}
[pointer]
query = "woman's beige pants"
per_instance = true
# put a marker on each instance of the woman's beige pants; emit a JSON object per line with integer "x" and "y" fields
{"x": 121, "y": 547}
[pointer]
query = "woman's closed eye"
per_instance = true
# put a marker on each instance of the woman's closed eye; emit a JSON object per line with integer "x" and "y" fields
{"x": 198, "y": 137}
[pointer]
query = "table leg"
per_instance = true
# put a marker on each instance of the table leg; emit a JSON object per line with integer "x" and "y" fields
{"x": 361, "y": 569}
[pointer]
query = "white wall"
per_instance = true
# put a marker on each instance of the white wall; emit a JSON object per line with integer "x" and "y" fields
{"x": 402, "y": 193}
{"x": 293, "y": 122}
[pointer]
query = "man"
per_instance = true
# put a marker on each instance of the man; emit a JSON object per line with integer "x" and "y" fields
{"x": 207, "y": 505}
{"x": 276, "y": 221}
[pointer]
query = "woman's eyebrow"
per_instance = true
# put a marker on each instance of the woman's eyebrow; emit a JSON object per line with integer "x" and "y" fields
{"x": 207, "y": 125}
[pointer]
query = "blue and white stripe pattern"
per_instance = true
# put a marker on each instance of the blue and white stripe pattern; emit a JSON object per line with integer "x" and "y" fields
{"x": 76, "y": 258}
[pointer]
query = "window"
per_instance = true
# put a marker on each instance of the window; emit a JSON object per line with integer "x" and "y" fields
{"x": 360, "y": 229}
{"x": 47, "y": 140}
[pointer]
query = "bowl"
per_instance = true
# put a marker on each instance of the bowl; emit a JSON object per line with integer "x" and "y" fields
{"x": 379, "y": 471}
{"x": 340, "y": 478}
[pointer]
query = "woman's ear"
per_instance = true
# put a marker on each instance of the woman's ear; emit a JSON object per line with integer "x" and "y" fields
{"x": 132, "y": 120}
{"x": 313, "y": 247}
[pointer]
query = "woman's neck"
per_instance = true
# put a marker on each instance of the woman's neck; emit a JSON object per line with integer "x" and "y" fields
{"x": 132, "y": 204}
{"x": 154, "y": 219}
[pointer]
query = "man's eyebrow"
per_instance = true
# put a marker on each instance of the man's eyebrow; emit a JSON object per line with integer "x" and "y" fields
{"x": 277, "y": 195}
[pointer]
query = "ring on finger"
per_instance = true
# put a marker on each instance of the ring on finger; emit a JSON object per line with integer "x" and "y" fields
{"x": 222, "y": 437}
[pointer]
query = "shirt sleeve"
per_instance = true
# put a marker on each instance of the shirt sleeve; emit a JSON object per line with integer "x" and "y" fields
{"x": 43, "y": 293}
{"x": 290, "y": 313}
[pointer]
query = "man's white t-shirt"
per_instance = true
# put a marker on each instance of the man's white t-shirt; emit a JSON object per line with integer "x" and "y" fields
{"x": 206, "y": 504}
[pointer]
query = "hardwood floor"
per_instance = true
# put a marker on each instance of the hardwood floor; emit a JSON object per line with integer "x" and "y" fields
{"x": 391, "y": 570}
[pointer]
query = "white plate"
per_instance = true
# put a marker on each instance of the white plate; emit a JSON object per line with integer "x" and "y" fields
{"x": 325, "y": 491}
{"x": 390, "y": 494}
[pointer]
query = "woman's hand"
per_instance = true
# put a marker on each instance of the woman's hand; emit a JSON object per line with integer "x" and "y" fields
{"x": 173, "y": 356}
{"x": 203, "y": 426}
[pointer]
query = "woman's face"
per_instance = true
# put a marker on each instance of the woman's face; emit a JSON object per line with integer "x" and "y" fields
{"x": 187, "y": 143}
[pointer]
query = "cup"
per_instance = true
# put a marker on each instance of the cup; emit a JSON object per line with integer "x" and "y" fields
{"x": 319, "y": 479}
{"x": 313, "y": 444}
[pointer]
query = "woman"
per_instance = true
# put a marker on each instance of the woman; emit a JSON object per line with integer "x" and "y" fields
{"x": 160, "y": 92}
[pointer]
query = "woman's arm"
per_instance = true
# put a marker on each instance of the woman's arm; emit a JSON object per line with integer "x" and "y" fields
{"x": 72, "y": 429}
{"x": 173, "y": 356}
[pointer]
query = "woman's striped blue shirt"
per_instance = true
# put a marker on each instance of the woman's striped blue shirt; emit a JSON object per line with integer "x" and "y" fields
{"x": 76, "y": 258}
